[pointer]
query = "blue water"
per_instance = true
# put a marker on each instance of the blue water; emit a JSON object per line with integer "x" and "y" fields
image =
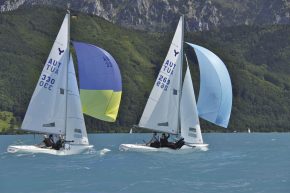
{"x": 234, "y": 163}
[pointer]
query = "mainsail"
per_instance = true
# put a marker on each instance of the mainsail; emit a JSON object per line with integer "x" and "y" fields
{"x": 215, "y": 95}
{"x": 76, "y": 128}
{"x": 100, "y": 82}
{"x": 162, "y": 108}
{"x": 189, "y": 121}
{"x": 46, "y": 110}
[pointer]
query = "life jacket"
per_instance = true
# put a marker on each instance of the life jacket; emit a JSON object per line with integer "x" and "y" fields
{"x": 48, "y": 142}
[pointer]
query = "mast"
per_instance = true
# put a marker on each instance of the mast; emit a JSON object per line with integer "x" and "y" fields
{"x": 180, "y": 86}
{"x": 66, "y": 96}
{"x": 186, "y": 60}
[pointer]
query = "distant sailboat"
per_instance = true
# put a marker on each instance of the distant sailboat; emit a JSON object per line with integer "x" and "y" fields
{"x": 131, "y": 131}
{"x": 249, "y": 130}
{"x": 171, "y": 106}
{"x": 55, "y": 107}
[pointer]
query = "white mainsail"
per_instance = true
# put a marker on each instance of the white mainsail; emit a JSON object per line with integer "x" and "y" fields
{"x": 190, "y": 127}
{"x": 76, "y": 128}
{"x": 46, "y": 112}
{"x": 162, "y": 108}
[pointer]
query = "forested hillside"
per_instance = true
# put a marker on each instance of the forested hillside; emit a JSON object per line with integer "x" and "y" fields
{"x": 257, "y": 59}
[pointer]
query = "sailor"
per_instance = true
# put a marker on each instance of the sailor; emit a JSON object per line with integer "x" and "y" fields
{"x": 59, "y": 144}
{"x": 48, "y": 141}
{"x": 165, "y": 143}
{"x": 164, "y": 140}
{"x": 154, "y": 142}
{"x": 178, "y": 144}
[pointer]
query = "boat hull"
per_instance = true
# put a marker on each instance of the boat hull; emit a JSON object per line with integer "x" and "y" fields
{"x": 70, "y": 149}
{"x": 145, "y": 148}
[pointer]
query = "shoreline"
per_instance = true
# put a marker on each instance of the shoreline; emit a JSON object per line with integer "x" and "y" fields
{"x": 25, "y": 133}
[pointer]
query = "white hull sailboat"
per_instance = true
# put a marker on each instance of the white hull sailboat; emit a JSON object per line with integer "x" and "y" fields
{"x": 67, "y": 150}
{"x": 146, "y": 148}
{"x": 171, "y": 106}
{"x": 56, "y": 107}
{"x": 75, "y": 136}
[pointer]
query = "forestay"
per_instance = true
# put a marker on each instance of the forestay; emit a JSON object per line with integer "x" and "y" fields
{"x": 76, "y": 128}
{"x": 190, "y": 127}
{"x": 215, "y": 95}
{"x": 162, "y": 108}
{"x": 100, "y": 82}
{"x": 46, "y": 110}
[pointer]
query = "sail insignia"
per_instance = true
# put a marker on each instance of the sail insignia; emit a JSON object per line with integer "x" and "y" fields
{"x": 61, "y": 91}
{"x": 175, "y": 53}
{"x": 175, "y": 92}
{"x": 49, "y": 125}
{"x": 60, "y": 51}
{"x": 78, "y": 133}
{"x": 192, "y": 132}
{"x": 166, "y": 124}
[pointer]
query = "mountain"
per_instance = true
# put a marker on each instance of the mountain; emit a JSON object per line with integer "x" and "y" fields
{"x": 257, "y": 58}
{"x": 159, "y": 15}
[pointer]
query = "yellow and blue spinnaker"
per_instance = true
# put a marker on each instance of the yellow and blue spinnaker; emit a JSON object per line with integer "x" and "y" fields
{"x": 100, "y": 82}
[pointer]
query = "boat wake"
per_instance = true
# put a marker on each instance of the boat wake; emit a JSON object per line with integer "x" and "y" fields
{"x": 101, "y": 152}
{"x": 104, "y": 151}
{"x": 25, "y": 155}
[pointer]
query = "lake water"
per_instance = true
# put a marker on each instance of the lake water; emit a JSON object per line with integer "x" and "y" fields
{"x": 234, "y": 163}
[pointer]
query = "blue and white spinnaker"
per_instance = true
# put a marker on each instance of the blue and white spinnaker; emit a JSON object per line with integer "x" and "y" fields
{"x": 215, "y": 95}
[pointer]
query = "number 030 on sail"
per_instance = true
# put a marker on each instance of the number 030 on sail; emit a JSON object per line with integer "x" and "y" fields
{"x": 57, "y": 106}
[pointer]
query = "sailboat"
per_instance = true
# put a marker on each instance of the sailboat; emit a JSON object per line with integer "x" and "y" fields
{"x": 171, "y": 106}
{"x": 56, "y": 105}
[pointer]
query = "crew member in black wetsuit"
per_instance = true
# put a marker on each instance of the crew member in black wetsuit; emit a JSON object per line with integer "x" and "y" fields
{"x": 165, "y": 143}
{"x": 154, "y": 142}
{"x": 178, "y": 144}
{"x": 164, "y": 140}
{"x": 59, "y": 144}
{"x": 48, "y": 141}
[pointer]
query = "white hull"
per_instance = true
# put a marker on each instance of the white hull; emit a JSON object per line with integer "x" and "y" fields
{"x": 144, "y": 148}
{"x": 70, "y": 149}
